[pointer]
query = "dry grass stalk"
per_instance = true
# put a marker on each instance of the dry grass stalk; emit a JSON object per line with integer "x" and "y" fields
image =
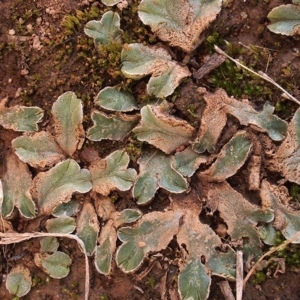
{"x": 259, "y": 74}
{"x": 14, "y": 237}
{"x": 280, "y": 247}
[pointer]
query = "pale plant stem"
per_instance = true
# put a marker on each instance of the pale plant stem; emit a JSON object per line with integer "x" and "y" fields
{"x": 13, "y": 237}
{"x": 259, "y": 74}
{"x": 239, "y": 275}
{"x": 283, "y": 245}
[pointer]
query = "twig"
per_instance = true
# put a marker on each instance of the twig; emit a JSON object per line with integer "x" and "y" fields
{"x": 239, "y": 275}
{"x": 259, "y": 74}
{"x": 226, "y": 290}
{"x": 256, "y": 46}
{"x": 283, "y": 245}
{"x": 13, "y": 237}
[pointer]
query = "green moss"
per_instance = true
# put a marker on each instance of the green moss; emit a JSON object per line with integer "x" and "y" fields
{"x": 75, "y": 22}
{"x": 25, "y": 98}
{"x": 70, "y": 24}
{"x": 233, "y": 49}
{"x": 191, "y": 109}
{"x": 32, "y": 13}
{"x": 290, "y": 253}
{"x": 295, "y": 191}
{"x": 259, "y": 277}
{"x": 279, "y": 239}
{"x": 150, "y": 282}
{"x": 21, "y": 16}
{"x": 238, "y": 82}
{"x": 11, "y": 46}
{"x": 134, "y": 30}
{"x": 2, "y": 47}
{"x": 284, "y": 108}
{"x": 235, "y": 80}
{"x": 134, "y": 148}
{"x": 72, "y": 293}
{"x": 212, "y": 40}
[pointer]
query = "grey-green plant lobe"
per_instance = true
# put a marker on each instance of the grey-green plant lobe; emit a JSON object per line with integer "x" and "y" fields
{"x": 152, "y": 233}
{"x": 58, "y": 184}
{"x": 163, "y": 131}
{"x": 111, "y": 127}
{"x": 20, "y": 118}
{"x": 179, "y": 22}
{"x": 111, "y": 98}
{"x": 139, "y": 61}
{"x": 68, "y": 116}
{"x": 88, "y": 227}
{"x": 56, "y": 264}
{"x": 19, "y": 281}
{"x": 105, "y": 30}
{"x": 112, "y": 173}
{"x": 17, "y": 194}
{"x": 285, "y": 19}
{"x": 156, "y": 171}
{"x": 38, "y": 150}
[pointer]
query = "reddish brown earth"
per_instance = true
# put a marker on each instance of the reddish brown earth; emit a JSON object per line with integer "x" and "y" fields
{"x": 32, "y": 74}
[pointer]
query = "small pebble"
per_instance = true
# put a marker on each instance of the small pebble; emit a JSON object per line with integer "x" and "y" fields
{"x": 244, "y": 15}
{"x": 11, "y": 32}
{"x": 24, "y": 72}
{"x": 89, "y": 154}
{"x": 39, "y": 20}
{"x": 29, "y": 27}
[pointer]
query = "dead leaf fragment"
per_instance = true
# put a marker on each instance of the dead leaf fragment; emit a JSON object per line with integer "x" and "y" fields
{"x": 212, "y": 63}
{"x": 240, "y": 216}
{"x": 157, "y": 228}
{"x": 286, "y": 220}
{"x": 212, "y": 123}
{"x": 287, "y": 157}
{"x": 104, "y": 206}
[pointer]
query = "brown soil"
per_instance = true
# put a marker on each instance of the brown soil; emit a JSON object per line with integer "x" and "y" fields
{"x": 38, "y": 62}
